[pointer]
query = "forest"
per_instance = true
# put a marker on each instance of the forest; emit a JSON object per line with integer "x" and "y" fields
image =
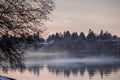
{"x": 91, "y": 44}
{"x": 103, "y": 44}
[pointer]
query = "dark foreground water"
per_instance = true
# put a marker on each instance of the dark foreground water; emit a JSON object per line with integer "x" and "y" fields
{"x": 52, "y": 67}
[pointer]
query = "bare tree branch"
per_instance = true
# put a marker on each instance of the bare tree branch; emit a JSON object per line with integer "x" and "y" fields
{"x": 24, "y": 13}
{"x": 19, "y": 17}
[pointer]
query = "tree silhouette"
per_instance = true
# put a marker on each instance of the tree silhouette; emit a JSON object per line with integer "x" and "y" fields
{"x": 82, "y": 36}
{"x": 74, "y": 36}
{"x": 91, "y": 36}
{"x": 115, "y": 37}
{"x": 18, "y": 18}
{"x": 101, "y": 35}
{"x": 51, "y": 37}
{"x": 93, "y": 44}
{"x": 107, "y": 36}
{"x": 58, "y": 37}
{"x": 66, "y": 34}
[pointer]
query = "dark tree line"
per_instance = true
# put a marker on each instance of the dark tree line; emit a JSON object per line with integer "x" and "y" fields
{"x": 91, "y": 44}
{"x": 91, "y": 36}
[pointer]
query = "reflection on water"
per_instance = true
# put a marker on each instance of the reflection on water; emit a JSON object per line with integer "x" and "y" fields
{"x": 104, "y": 70}
{"x": 54, "y": 69}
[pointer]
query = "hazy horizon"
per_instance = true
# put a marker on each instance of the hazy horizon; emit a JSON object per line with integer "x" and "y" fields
{"x": 81, "y": 15}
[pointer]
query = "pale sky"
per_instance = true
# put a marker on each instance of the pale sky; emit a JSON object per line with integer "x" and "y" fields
{"x": 80, "y": 15}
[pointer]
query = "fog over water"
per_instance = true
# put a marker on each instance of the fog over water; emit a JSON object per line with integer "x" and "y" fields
{"x": 65, "y": 66}
{"x": 60, "y": 59}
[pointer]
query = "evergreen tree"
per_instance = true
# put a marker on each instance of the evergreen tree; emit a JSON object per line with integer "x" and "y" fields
{"x": 58, "y": 37}
{"x": 66, "y": 34}
{"x": 74, "y": 36}
{"x": 82, "y": 36}
{"x": 107, "y": 36}
{"x": 91, "y": 36}
{"x": 100, "y": 36}
{"x": 51, "y": 37}
{"x": 115, "y": 37}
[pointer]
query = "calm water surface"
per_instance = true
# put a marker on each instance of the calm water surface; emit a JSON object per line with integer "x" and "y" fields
{"x": 65, "y": 68}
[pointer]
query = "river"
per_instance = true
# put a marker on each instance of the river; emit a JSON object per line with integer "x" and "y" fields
{"x": 54, "y": 67}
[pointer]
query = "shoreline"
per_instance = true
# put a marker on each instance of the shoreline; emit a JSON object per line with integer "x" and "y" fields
{"x": 5, "y": 78}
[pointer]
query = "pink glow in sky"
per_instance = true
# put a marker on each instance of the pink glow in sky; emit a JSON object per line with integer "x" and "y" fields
{"x": 80, "y": 15}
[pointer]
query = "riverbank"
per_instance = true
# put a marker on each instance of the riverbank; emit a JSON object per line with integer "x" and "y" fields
{"x": 5, "y": 78}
